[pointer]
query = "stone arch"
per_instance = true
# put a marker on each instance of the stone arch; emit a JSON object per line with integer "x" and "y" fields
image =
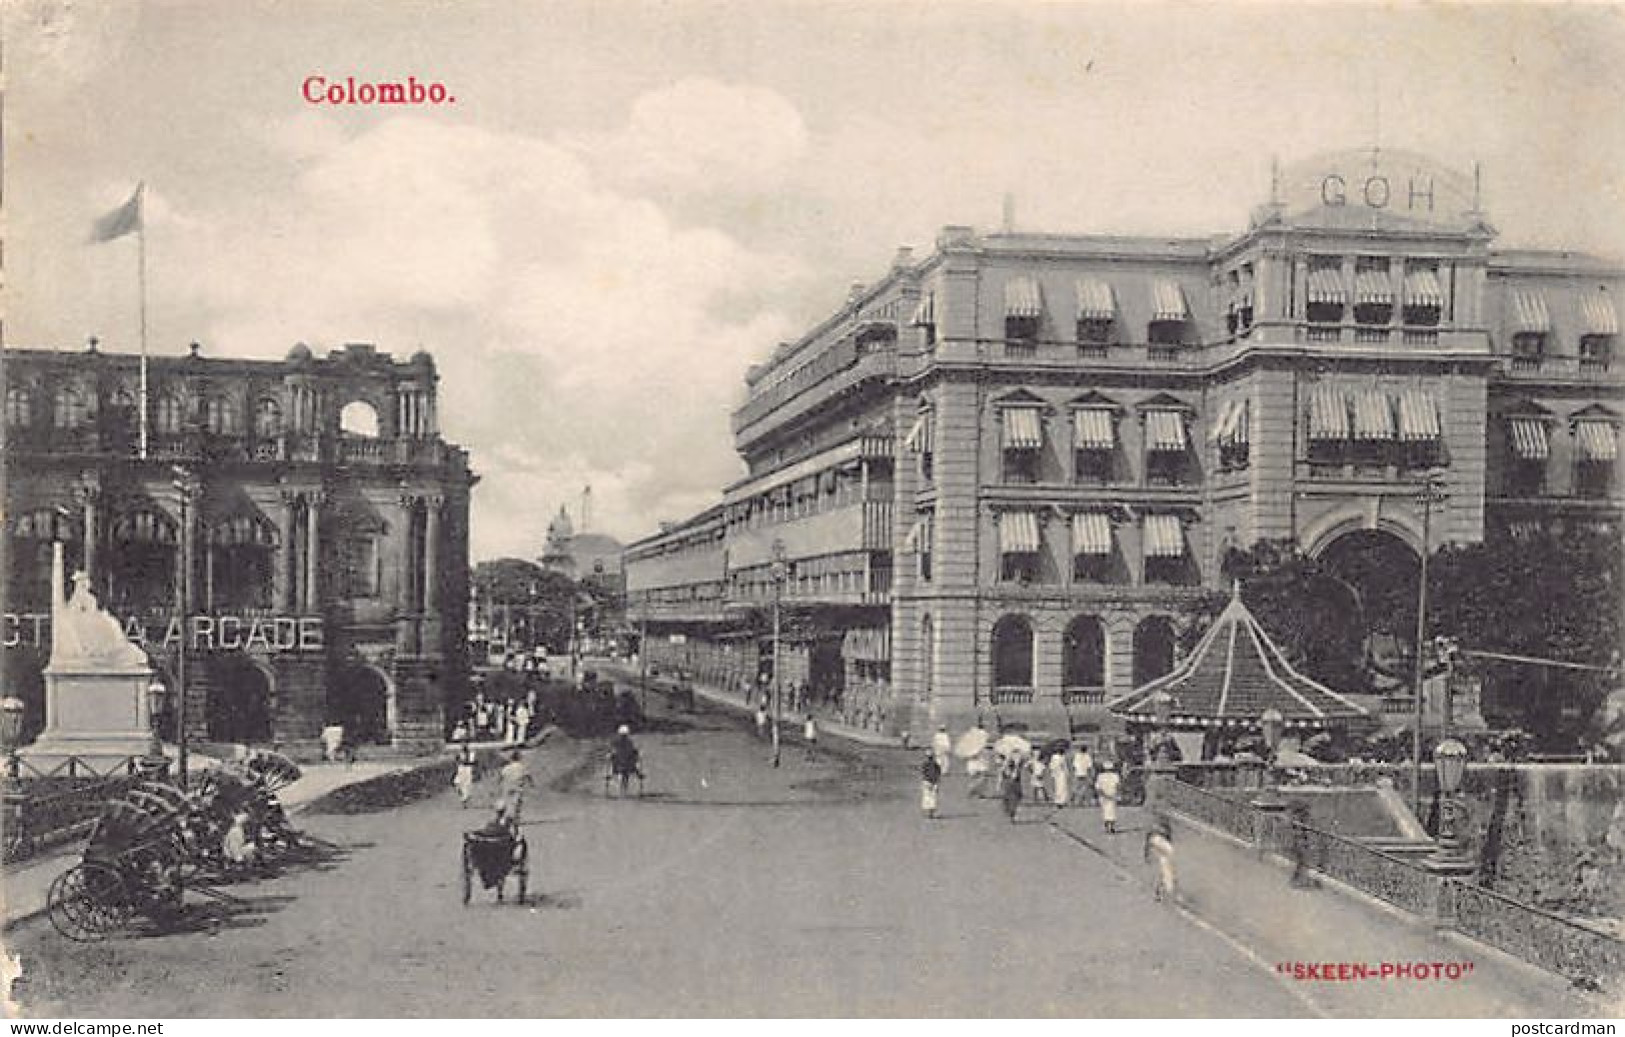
{"x": 359, "y": 417}
{"x": 1378, "y": 570}
{"x": 1083, "y": 653}
{"x": 1324, "y": 532}
{"x": 241, "y": 700}
{"x": 363, "y": 700}
{"x": 1012, "y": 641}
{"x": 1154, "y": 643}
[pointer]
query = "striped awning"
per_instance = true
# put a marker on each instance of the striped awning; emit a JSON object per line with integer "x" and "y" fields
{"x": 1164, "y": 536}
{"x": 1023, "y": 428}
{"x": 1018, "y": 533}
{"x": 1422, "y": 288}
{"x": 1091, "y": 533}
{"x": 1326, "y": 287}
{"x": 1529, "y": 313}
{"x": 1093, "y": 428}
{"x": 1373, "y": 288}
{"x": 1528, "y": 436}
{"x": 1231, "y": 428}
{"x": 1418, "y": 416}
{"x": 1373, "y": 416}
{"x": 1168, "y": 302}
{"x": 1598, "y": 440}
{"x": 1165, "y": 431}
{"x": 919, "y": 437}
{"x": 1022, "y": 298}
{"x": 1599, "y": 316}
{"x": 1328, "y": 413}
{"x": 1095, "y": 300}
{"x": 926, "y": 311}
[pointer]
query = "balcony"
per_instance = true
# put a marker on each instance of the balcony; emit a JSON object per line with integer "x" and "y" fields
{"x": 837, "y": 370}
{"x": 1541, "y": 367}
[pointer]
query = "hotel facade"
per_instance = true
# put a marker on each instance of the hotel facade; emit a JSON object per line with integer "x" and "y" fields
{"x": 325, "y": 518}
{"x": 997, "y": 479}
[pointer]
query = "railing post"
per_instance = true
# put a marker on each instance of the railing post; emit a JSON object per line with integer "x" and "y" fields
{"x": 1444, "y": 903}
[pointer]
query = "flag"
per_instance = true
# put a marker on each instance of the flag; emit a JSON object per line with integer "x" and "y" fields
{"x": 124, "y": 220}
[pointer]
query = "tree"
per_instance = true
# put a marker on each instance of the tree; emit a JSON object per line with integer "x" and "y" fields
{"x": 1552, "y": 595}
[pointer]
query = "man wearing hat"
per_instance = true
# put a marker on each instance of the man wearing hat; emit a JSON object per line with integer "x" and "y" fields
{"x": 623, "y": 758}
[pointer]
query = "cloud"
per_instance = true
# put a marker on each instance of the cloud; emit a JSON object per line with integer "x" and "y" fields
{"x": 702, "y": 135}
{"x": 582, "y": 335}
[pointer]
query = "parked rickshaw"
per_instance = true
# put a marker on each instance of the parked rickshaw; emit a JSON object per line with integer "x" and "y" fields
{"x": 133, "y": 865}
{"x": 494, "y": 853}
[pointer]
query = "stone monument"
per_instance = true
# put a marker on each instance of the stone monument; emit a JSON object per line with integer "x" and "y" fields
{"x": 95, "y": 683}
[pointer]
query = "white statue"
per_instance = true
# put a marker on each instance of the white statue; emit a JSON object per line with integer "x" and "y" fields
{"x": 84, "y": 636}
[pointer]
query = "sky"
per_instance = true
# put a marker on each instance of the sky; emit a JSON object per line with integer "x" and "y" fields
{"x": 629, "y": 203}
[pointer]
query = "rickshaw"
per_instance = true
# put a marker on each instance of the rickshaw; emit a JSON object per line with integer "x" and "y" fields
{"x": 133, "y": 865}
{"x": 494, "y": 853}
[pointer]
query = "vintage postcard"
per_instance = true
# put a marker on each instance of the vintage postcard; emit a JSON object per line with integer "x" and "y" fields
{"x": 542, "y": 508}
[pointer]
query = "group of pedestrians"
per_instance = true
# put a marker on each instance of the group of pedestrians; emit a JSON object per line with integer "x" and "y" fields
{"x": 508, "y": 721}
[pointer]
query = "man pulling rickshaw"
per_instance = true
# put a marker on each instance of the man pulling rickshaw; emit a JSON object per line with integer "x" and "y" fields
{"x": 624, "y": 762}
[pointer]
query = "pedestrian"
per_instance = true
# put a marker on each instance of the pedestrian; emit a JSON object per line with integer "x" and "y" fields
{"x": 521, "y": 722}
{"x": 1108, "y": 786}
{"x": 1062, "y": 779}
{"x": 976, "y": 768}
{"x": 1159, "y": 849}
{"x": 1010, "y": 787}
{"x": 459, "y": 732}
{"x": 463, "y": 779}
{"x": 1036, "y": 769}
{"x": 941, "y": 747}
{"x": 1083, "y": 771}
{"x": 332, "y": 742}
{"x": 761, "y": 719}
{"x": 237, "y": 846}
{"x": 809, "y": 731}
{"x": 930, "y": 778}
{"x": 510, "y": 717}
{"x": 513, "y": 780}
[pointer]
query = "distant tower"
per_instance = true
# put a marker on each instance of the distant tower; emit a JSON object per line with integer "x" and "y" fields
{"x": 556, "y": 553}
{"x": 586, "y": 509}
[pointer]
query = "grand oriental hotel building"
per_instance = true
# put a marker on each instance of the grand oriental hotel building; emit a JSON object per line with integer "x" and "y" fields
{"x": 307, "y": 510}
{"x": 996, "y": 480}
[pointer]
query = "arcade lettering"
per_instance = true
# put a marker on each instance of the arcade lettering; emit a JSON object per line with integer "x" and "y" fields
{"x": 222, "y": 633}
{"x": 1377, "y": 192}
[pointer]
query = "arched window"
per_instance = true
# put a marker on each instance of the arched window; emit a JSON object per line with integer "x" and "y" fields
{"x": 359, "y": 418}
{"x": 1013, "y": 653}
{"x": 168, "y": 414}
{"x": 220, "y": 416}
{"x": 19, "y": 407}
{"x": 928, "y": 656}
{"x": 1153, "y": 649}
{"x": 68, "y": 408}
{"x": 1083, "y": 658}
{"x": 267, "y": 419}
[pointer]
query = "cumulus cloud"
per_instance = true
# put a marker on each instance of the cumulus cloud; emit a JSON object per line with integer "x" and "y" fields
{"x": 582, "y": 334}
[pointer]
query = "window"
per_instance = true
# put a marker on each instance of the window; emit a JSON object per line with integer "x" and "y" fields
{"x": 267, "y": 419}
{"x": 1013, "y": 654}
{"x": 170, "y": 414}
{"x": 1596, "y": 444}
{"x": 919, "y": 541}
{"x": 1023, "y": 310}
{"x": 359, "y": 418}
{"x": 1094, "y": 333}
{"x": 360, "y": 559}
{"x": 1020, "y": 546}
{"x": 1326, "y": 296}
{"x": 1528, "y": 347}
{"x": 1424, "y": 298}
{"x": 1165, "y": 447}
{"x": 1022, "y": 430}
{"x": 1093, "y": 547}
{"x": 68, "y": 408}
{"x": 220, "y": 416}
{"x": 1596, "y": 352}
{"x": 1531, "y": 325}
{"x": 1373, "y": 291}
{"x": 19, "y": 407}
{"x": 1083, "y": 659}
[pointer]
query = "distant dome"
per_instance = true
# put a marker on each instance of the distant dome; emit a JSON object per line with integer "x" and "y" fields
{"x": 422, "y": 359}
{"x": 299, "y": 353}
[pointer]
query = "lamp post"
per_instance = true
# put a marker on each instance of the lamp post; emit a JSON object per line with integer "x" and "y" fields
{"x": 1450, "y": 854}
{"x": 1160, "y": 761}
{"x": 779, "y": 571}
{"x": 11, "y": 735}
{"x": 157, "y": 696}
{"x": 187, "y": 487}
{"x": 1428, "y": 493}
{"x": 643, "y": 653}
{"x": 1274, "y": 726}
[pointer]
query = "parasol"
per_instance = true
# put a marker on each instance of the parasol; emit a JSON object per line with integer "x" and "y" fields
{"x": 970, "y": 743}
{"x": 1012, "y": 745}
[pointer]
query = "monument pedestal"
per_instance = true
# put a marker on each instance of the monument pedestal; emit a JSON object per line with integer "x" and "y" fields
{"x": 99, "y": 717}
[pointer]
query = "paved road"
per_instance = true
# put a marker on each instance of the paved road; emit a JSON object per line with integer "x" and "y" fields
{"x": 732, "y": 888}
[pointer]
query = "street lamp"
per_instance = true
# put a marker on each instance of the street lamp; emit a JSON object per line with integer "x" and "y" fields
{"x": 11, "y": 734}
{"x": 187, "y": 487}
{"x": 779, "y": 571}
{"x": 157, "y": 697}
{"x": 1430, "y": 491}
{"x": 1450, "y": 853}
{"x": 1274, "y": 726}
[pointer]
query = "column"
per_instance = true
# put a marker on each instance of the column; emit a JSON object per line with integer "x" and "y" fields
{"x": 406, "y": 593}
{"x": 431, "y": 554}
{"x": 285, "y": 554}
{"x": 312, "y": 552}
{"x": 89, "y": 496}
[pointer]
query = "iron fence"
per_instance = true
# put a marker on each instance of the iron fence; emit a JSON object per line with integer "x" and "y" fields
{"x": 56, "y": 810}
{"x": 1583, "y": 955}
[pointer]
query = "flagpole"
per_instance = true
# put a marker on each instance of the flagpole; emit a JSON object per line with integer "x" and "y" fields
{"x": 141, "y": 279}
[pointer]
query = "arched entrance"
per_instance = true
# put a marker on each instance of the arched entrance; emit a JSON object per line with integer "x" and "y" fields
{"x": 360, "y": 701}
{"x": 239, "y": 707}
{"x": 1013, "y": 654}
{"x": 1153, "y": 649}
{"x": 1373, "y": 574}
{"x": 1083, "y": 659}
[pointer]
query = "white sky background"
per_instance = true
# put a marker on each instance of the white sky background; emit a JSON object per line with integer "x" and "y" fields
{"x": 631, "y": 202}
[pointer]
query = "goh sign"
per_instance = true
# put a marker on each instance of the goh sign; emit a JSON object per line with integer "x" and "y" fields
{"x": 1399, "y": 183}
{"x": 221, "y": 632}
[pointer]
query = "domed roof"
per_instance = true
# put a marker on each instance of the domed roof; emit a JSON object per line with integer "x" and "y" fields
{"x": 299, "y": 353}
{"x": 422, "y": 359}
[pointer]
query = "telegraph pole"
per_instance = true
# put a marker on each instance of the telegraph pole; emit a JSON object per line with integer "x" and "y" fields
{"x": 1430, "y": 492}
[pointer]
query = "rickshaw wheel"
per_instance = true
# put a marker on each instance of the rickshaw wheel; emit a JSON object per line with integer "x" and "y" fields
{"x": 88, "y": 901}
{"x": 468, "y": 874}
